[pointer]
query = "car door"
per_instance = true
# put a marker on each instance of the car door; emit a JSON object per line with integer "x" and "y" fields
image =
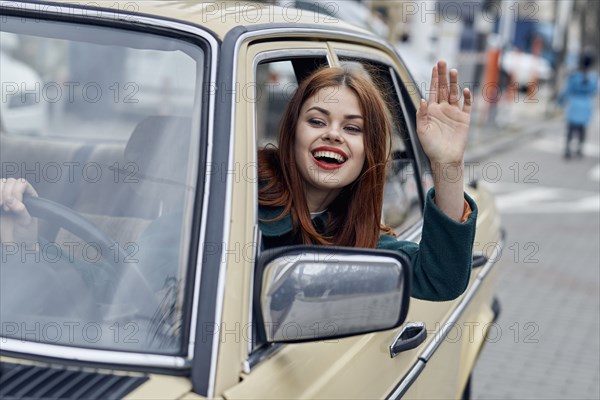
{"x": 357, "y": 367}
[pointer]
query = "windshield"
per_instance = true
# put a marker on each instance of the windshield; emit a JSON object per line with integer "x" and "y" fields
{"x": 103, "y": 125}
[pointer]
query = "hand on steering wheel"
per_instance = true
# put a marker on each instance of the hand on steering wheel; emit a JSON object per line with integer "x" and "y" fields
{"x": 17, "y": 225}
{"x": 21, "y": 200}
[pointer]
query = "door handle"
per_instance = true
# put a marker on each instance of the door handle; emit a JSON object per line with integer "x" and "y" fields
{"x": 411, "y": 336}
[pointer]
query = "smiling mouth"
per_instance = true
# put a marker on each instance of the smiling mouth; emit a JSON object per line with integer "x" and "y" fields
{"x": 328, "y": 159}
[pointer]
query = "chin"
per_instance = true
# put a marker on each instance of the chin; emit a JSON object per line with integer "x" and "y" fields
{"x": 332, "y": 182}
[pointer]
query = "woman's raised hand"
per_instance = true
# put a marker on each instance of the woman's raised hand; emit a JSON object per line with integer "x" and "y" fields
{"x": 442, "y": 125}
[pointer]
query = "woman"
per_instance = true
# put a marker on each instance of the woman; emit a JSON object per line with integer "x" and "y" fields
{"x": 324, "y": 184}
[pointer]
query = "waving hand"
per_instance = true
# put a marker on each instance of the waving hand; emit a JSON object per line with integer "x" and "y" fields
{"x": 442, "y": 125}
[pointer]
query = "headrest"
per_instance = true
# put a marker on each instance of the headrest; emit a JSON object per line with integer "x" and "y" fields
{"x": 159, "y": 147}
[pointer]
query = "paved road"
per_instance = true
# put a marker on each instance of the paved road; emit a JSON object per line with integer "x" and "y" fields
{"x": 547, "y": 345}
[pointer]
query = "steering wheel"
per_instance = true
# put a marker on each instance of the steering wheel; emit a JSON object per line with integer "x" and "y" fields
{"x": 71, "y": 220}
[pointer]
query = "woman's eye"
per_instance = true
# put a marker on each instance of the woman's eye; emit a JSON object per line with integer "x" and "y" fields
{"x": 316, "y": 122}
{"x": 355, "y": 129}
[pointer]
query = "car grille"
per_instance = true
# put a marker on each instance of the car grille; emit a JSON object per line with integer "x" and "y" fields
{"x": 33, "y": 382}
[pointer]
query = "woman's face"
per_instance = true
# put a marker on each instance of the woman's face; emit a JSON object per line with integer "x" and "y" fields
{"x": 329, "y": 144}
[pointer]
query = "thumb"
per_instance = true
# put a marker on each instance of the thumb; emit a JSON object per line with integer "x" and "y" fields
{"x": 422, "y": 117}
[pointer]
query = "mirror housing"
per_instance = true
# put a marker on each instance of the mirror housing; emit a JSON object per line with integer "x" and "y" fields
{"x": 312, "y": 293}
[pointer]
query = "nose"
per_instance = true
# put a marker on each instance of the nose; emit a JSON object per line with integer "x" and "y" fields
{"x": 333, "y": 134}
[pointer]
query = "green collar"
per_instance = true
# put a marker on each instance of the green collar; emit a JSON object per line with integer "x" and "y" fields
{"x": 283, "y": 225}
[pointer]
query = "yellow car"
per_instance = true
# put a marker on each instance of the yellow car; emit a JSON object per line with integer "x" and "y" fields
{"x": 144, "y": 277}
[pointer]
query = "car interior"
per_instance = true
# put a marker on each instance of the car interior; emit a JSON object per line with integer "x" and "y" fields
{"x": 92, "y": 178}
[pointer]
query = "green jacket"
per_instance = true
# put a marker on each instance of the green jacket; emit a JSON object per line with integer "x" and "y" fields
{"x": 441, "y": 262}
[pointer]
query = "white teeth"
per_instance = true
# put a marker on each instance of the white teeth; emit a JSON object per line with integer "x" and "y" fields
{"x": 329, "y": 154}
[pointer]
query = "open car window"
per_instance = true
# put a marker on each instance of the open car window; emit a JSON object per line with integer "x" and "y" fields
{"x": 102, "y": 123}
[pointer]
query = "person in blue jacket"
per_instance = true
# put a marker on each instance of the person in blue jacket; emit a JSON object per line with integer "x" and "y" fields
{"x": 578, "y": 97}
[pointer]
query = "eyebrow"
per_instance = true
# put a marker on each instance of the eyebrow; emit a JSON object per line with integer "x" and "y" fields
{"x": 324, "y": 111}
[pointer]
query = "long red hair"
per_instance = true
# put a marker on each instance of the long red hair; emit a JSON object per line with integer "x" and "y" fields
{"x": 355, "y": 215}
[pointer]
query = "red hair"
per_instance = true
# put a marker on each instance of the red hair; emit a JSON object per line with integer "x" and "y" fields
{"x": 281, "y": 183}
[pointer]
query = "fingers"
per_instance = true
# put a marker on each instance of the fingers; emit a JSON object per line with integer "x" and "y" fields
{"x": 11, "y": 198}
{"x": 454, "y": 89}
{"x": 444, "y": 91}
{"x": 468, "y": 100}
{"x": 433, "y": 86}
{"x": 442, "y": 87}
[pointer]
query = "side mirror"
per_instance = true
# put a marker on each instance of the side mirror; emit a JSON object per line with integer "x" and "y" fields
{"x": 311, "y": 293}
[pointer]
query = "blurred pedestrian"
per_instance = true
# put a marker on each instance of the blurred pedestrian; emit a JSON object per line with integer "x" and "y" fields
{"x": 578, "y": 98}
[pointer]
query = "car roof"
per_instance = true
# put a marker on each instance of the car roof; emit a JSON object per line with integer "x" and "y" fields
{"x": 222, "y": 16}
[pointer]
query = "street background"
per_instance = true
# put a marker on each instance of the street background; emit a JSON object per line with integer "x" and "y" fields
{"x": 548, "y": 286}
{"x": 545, "y": 344}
